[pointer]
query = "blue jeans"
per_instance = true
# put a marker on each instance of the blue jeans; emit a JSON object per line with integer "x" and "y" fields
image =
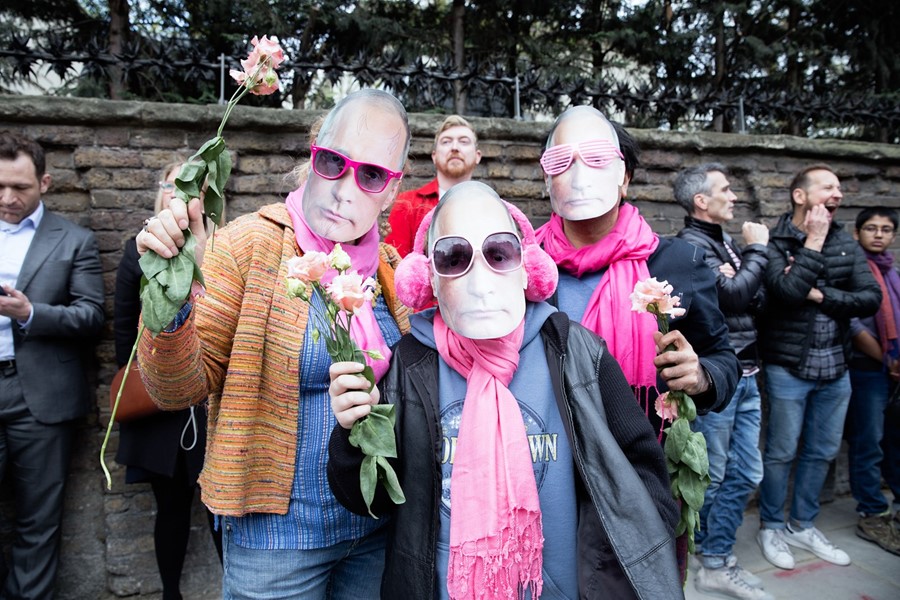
{"x": 874, "y": 446}
{"x": 815, "y": 410}
{"x": 735, "y": 469}
{"x": 349, "y": 570}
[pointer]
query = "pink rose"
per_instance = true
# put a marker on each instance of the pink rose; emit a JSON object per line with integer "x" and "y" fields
{"x": 666, "y": 409}
{"x": 308, "y": 268}
{"x": 669, "y": 306}
{"x": 647, "y": 292}
{"x": 259, "y": 67}
{"x": 651, "y": 292}
{"x": 350, "y": 292}
{"x": 269, "y": 47}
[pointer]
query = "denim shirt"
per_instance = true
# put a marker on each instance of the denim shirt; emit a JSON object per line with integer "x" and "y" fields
{"x": 315, "y": 519}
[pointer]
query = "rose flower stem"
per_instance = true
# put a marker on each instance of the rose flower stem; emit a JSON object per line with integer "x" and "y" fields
{"x": 112, "y": 414}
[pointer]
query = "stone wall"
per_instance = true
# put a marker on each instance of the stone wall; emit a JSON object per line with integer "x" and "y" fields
{"x": 104, "y": 158}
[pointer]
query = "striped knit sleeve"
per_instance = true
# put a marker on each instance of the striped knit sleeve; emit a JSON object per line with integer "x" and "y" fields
{"x": 183, "y": 367}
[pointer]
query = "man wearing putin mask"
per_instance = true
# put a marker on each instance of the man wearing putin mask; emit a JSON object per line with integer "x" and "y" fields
{"x": 603, "y": 247}
{"x": 517, "y": 416}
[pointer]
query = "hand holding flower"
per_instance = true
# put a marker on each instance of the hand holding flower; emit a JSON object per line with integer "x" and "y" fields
{"x": 679, "y": 366}
{"x": 351, "y": 398}
{"x": 354, "y": 396}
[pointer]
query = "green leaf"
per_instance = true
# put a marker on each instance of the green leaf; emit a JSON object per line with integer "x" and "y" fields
{"x": 368, "y": 478}
{"x": 342, "y": 336}
{"x": 168, "y": 284}
{"x": 189, "y": 180}
{"x": 356, "y": 355}
{"x": 676, "y": 440}
{"x": 692, "y": 487}
{"x": 687, "y": 408}
{"x": 369, "y": 374}
{"x": 211, "y": 149}
{"x": 333, "y": 347}
{"x": 214, "y": 200}
{"x": 672, "y": 467}
{"x": 694, "y": 454}
{"x": 374, "y": 435}
{"x": 386, "y": 410}
{"x": 682, "y": 520}
{"x": 152, "y": 263}
{"x": 156, "y": 307}
{"x": 388, "y": 478}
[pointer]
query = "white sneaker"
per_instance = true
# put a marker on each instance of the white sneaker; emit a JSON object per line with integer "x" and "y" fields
{"x": 727, "y": 582}
{"x": 751, "y": 579}
{"x": 815, "y": 541}
{"x": 771, "y": 542}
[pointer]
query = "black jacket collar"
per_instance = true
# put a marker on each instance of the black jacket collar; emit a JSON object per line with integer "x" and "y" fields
{"x": 711, "y": 229}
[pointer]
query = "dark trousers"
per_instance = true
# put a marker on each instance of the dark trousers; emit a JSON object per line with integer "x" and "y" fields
{"x": 34, "y": 460}
{"x": 174, "y": 497}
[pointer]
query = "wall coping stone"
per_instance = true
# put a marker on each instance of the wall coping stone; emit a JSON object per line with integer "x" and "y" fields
{"x": 89, "y": 111}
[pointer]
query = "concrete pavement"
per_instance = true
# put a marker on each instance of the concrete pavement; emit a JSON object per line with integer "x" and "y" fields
{"x": 872, "y": 575}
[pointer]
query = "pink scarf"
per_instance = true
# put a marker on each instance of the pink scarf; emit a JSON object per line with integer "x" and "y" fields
{"x": 624, "y": 251}
{"x": 364, "y": 259}
{"x": 496, "y": 539}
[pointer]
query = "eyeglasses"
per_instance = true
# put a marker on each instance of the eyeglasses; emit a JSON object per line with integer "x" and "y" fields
{"x": 594, "y": 153}
{"x": 873, "y": 229}
{"x": 331, "y": 164}
{"x": 452, "y": 256}
{"x": 166, "y": 186}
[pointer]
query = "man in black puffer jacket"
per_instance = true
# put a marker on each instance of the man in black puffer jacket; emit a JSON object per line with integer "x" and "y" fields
{"x": 817, "y": 279}
{"x": 732, "y": 435}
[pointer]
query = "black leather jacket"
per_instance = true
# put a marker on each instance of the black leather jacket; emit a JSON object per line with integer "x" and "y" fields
{"x": 839, "y": 271}
{"x": 626, "y": 513}
{"x": 740, "y": 297}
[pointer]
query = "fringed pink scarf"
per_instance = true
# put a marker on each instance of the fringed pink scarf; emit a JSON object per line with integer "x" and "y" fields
{"x": 364, "y": 259}
{"x": 496, "y": 539}
{"x": 624, "y": 251}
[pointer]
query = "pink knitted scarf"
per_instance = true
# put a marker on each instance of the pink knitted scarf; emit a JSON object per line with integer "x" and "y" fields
{"x": 364, "y": 259}
{"x": 624, "y": 252}
{"x": 496, "y": 539}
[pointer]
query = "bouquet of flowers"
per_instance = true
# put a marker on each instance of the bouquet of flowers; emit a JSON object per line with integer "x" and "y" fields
{"x": 332, "y": 307}
{"x": 685, "y": 450}
{"x": 167, "y": 282}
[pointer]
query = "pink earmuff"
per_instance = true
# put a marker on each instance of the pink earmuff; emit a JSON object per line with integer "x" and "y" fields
{"x": 413, "y": 275}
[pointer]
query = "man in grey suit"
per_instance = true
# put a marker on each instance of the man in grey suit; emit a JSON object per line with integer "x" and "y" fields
{"x": 51, "y": 304}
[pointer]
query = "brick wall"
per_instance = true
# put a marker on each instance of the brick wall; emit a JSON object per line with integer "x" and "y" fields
{"x": 105, "y": 156}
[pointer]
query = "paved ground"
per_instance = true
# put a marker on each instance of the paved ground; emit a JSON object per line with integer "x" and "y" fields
{"x": 873, "y": 574}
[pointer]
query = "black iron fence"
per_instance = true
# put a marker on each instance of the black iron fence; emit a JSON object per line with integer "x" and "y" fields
{"x": 175, "y": 70}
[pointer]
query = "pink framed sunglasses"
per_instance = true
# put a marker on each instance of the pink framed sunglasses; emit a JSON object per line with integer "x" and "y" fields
{"x": 594, "y": 153}
{"x": 331, "y": 164}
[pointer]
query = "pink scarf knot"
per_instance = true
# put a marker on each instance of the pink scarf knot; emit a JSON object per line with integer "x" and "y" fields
{"x": 496, "y": 536}
{"x": 623, "y": 252}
